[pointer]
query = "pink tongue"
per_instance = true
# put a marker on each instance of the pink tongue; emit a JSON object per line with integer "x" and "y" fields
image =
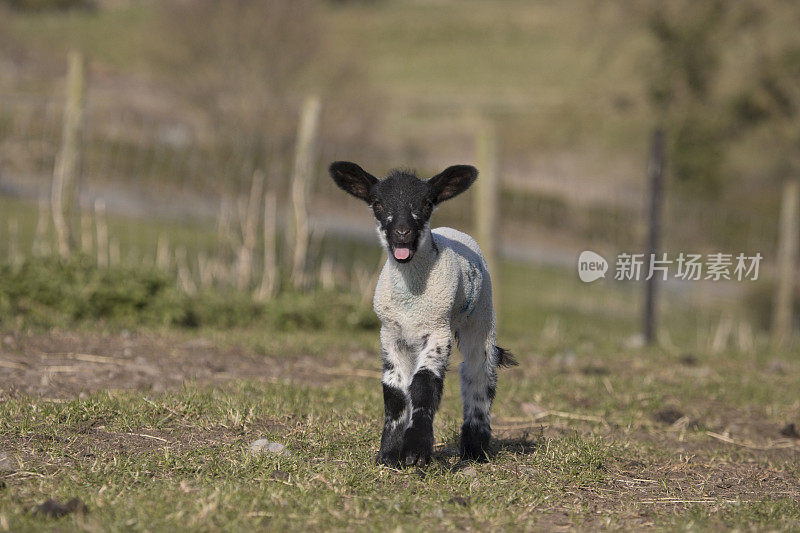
{"x": 401, "y": 253}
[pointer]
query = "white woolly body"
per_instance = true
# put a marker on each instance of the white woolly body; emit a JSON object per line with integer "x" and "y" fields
{"x": 445, "y": 289}
{"x": 442, "y": 287}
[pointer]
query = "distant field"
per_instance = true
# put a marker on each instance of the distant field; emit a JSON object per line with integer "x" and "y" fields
{"x": 564, "y": 82}
{"x": 550, "y": 71}
{"x": 551, "y": 74}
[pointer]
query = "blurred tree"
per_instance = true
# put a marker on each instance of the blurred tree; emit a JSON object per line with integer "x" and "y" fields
{"x": 772, "y": 98}
{"x": 689, "y": 39}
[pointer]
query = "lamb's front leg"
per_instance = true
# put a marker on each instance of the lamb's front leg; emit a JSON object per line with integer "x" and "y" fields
{"x": 425, "y": 391}
{"x": 395, "y": 397}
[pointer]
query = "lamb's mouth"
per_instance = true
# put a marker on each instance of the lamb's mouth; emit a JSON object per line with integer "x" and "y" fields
{"x": 402, "y": 253}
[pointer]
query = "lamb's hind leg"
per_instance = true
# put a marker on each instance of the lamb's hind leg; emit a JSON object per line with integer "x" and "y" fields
{"x": 478, "y": 385}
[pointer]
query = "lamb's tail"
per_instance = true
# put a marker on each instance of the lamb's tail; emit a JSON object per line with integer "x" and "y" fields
{"x": 504, "y": 358}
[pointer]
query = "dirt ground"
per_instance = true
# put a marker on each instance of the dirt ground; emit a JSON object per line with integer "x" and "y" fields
{"x": 63, "y": 365}
{"x": 664, "y": 471}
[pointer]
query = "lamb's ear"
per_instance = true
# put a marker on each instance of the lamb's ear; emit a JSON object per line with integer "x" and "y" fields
{"x": 352, "y": 178}
{"x": 453, "y": 181}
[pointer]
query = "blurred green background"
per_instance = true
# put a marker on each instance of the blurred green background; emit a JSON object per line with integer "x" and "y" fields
{"x": 186, "y": 99}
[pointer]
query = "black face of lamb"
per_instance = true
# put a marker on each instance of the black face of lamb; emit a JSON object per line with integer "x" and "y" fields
{"x": 401, "y": 202}
{"x": 402, "y": 205}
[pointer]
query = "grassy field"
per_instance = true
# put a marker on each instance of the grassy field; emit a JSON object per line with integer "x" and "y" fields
{"x": 141, "y": 399}
{"x": 150, "y": 427}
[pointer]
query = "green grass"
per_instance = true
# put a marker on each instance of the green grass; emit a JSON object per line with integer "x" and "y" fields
{"x": 181, "y": 460}
{"x": 581, "y": 438}
{"x": 543, "y": 69}
{"x": 328, "y": 481}
{"x": 109, "y": 36}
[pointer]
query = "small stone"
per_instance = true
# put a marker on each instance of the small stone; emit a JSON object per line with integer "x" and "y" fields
{"x": 265, "y": 446}
{"x": 275, "y": 447}
{"x": 258, "y": 445}
{"x": 470, "y": 471}
{"x": 6, "y": 464}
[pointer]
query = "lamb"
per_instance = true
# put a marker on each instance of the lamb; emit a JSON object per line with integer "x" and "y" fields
{"x": 434, "y": 285}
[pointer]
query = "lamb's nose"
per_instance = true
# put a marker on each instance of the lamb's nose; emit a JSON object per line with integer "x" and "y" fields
{"x": 402, "y": 232}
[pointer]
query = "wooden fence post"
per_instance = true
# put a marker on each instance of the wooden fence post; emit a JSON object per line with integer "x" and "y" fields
{"x": 269, "y": 279}
{"x": 40, "y": 244}
{"x": 487, "y": 198}
{"x": 101, "y": 229}
{"x": 14, "y": 256}
{"x": 305, "y": 156}
{"x": 87, "y": 239}
{"x": 66, "y": 174}
{"x": 788, "y": 238}
{"x": 184, "y": 274}
{"x": 250, "y": 232}
{"x": 655, "y": 171}
{"x": 163, "y": 261}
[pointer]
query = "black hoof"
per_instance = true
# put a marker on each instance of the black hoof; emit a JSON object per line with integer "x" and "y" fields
{"x": 390, "y": 459}
{"x": 417, "y": 447}
{"x": 414, "y": 459}
{"x": 475, "y": 443}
